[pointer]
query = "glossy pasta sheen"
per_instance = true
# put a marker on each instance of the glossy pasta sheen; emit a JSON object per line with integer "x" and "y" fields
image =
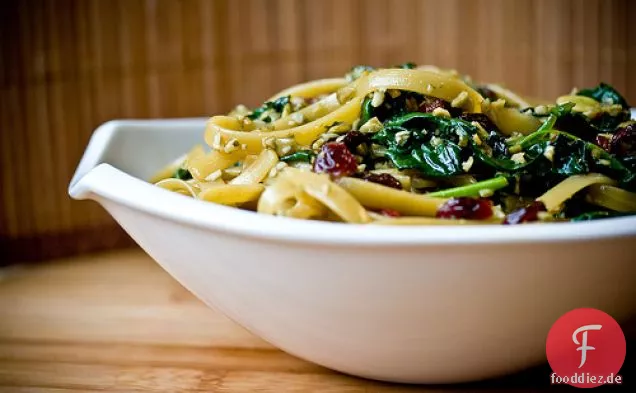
{"x": 422, "y": 129}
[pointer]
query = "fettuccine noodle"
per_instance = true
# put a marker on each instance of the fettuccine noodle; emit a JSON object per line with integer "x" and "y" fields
{"x": 371, "y": 147}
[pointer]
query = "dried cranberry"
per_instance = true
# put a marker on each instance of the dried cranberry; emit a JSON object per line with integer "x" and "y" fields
{"x": 480, "y": 118}
{"x": 389, "y": 212}
{"x": 624, "y": 141}
{"x": 464, "y": 207}
{"x": 383, "y": 178}
{"x": 353, "y": 139}
{"x": 335, "y": 159}
{"x": 432, "y": 103}
{"x": 525, "y": 214}
{"x": 603, "y": 142}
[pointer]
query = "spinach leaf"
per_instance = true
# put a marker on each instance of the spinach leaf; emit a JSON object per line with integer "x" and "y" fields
{"x": 182, "y": 174}
{"x": 277, "y": 106}
{"x": 439, "y": 157}
{"x": 606, "y": 94}
{"x": 367, "y": 110}
{"x": 437, "y": 146}
{"x": 299, "y": 156}
{"x": 452, "y": 129}
{"x": 441, "y": 160}
{"x": 571, "y": 156}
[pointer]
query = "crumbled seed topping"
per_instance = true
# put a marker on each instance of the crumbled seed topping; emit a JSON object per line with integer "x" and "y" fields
{"x": 441, "y": 112}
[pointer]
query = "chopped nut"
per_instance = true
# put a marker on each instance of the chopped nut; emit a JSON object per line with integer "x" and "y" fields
{"x": 401, "y": 137}
{"x": 549, "y": 152}
{"x": 297, "y": 117}
{"x": 216, "y": 142}
{"x": 604, "y": 162}
{"x": 519, "y": 158}
{"x": 214, "y": 175}
{"x": 480, "y": 129}
{"x": 460, "y": 100}
{"x": 259, "y": 124}
{"x": 297, "y": 103}
{"x": 231, "y": 145}
{"x": 269, "y": 142}
{"x": 328, "y": 136}
{"x": 284, "y": 150}
{"x": 486, "y": 192}
{"x": 377, "y": 151}
{"x": 435, "y": 141}
{"x": 371, "y": 126}
{"x": 466, "y": 165}
{"x": 441, "y": 112}
{"x": 378, "y": 98}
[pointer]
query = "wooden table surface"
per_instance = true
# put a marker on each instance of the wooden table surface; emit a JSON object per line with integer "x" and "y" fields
{"x": 117, "y": 322}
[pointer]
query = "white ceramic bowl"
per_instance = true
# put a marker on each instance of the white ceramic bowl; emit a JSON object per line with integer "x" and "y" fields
{"x": 405, "y": 304}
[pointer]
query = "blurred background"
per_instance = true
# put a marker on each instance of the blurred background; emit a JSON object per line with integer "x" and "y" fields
{"x": 67, "y": 66}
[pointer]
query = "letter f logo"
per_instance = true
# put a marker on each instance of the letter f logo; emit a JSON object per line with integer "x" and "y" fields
{"x": 583, "y": 344}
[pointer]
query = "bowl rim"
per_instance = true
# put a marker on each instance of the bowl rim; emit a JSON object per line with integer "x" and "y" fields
{"x": 101, "y": 181}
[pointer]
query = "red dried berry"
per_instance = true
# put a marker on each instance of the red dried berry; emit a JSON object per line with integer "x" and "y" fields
{"x": 383, "y": 178}
{"x": 525, "y": 214}
{"x": 604, "y": 142}
{"x": 335, "y": 159}
{"x": 432, "y": 103}
{"x": 464, "y": 207}
{"x": 353, "y": 139}
{"x": 624, "y": 141}
{"x": 389, "y": 212}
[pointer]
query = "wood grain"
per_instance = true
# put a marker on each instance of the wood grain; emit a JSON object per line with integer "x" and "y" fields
{"x": 67, "y": 66}
{"x": 116, "y": 322}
